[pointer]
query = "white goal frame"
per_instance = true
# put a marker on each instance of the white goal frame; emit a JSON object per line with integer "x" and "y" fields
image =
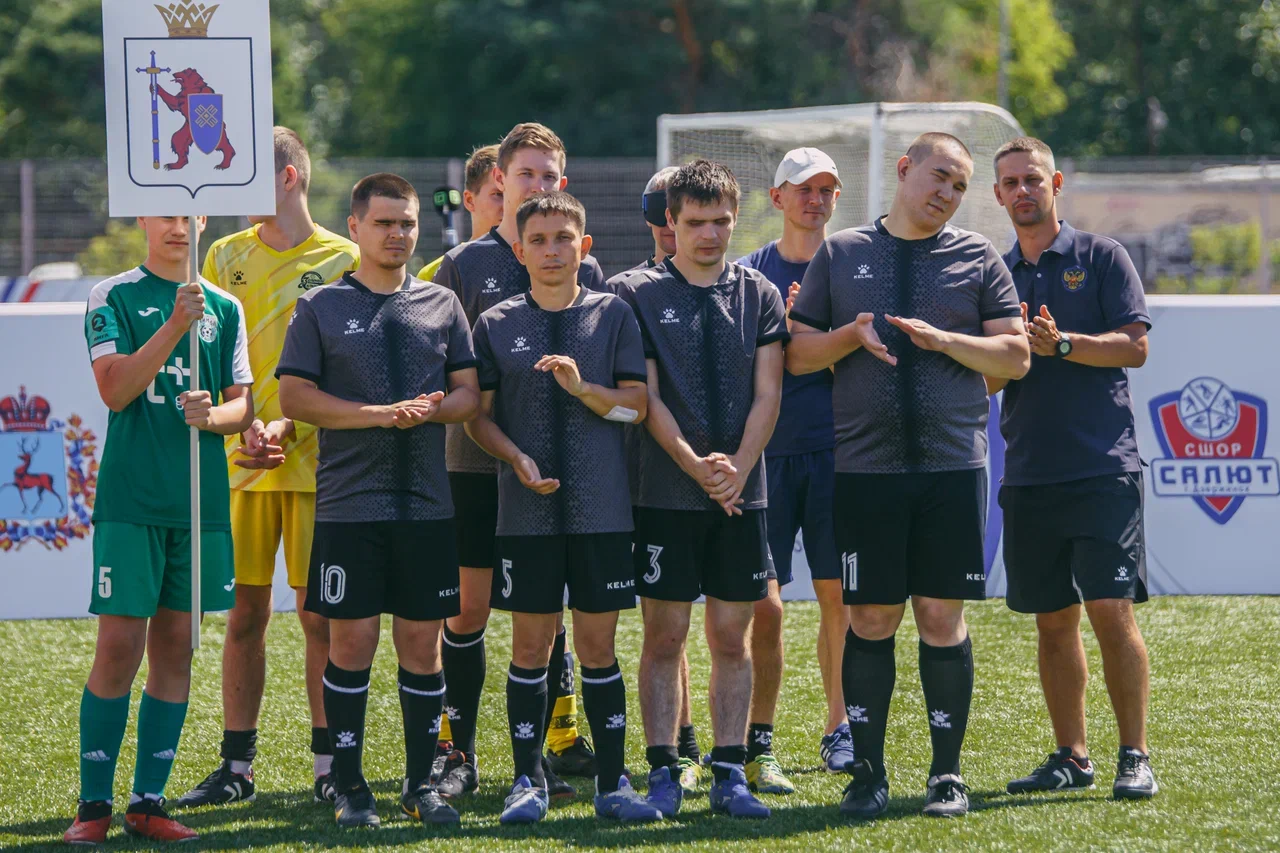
{"x": 873, "y": 113}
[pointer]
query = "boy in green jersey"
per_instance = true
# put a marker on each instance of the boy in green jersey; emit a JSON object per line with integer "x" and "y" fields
{"x": 136, "y": 328}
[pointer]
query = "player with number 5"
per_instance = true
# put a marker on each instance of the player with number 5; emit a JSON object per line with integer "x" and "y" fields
{"x": 137, "y": 326}
{"x": 562, "y": 370}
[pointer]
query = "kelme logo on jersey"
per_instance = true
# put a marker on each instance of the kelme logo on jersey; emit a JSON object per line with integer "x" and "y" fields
{"x": 522, "y": 345}
{"x": 864, "y": 271}
{"x": 48, "y": 474}
{"x": 208, "y": 328}
{"x": 669, "y": 316}
{"x": 353, "y": 327}
{"x": 491, "y": 285}
{"x": 1213, "y": 438}
{"x": 310, "y": 279}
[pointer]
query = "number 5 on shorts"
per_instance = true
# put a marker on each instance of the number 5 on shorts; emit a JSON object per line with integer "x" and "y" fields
{"x": 104, "y": 582}
{"x": 506, "y": 576}
{"x": 849, "y": 570}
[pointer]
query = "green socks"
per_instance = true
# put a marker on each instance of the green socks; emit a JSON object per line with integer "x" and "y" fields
{"x": 102, "y": 723}
{"x": 159, "y": 728}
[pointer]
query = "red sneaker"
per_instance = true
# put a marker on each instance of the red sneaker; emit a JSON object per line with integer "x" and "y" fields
{"x": 148, "y": 819}
{"x": 93, "y": 819}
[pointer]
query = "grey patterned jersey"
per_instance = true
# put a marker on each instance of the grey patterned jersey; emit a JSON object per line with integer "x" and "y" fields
{"x": 704, "y": 341}
{"x": 567, "y": 440}
{"x": 377, "y": 349}
{"x": 928, "y": 413}
{"x": 483, "y": 273}
{"x": 633, "y": 433}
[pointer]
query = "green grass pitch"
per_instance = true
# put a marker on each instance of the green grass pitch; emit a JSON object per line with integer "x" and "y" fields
{"x": 1214, "y": 731}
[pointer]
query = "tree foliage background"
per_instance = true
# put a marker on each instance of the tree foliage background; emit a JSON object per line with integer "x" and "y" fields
{"x": 436, "y": 77}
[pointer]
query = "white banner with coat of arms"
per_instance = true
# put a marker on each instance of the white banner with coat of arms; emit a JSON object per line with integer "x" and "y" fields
{"x": 189, "y": 110}
{"x": 1202, "y": 405}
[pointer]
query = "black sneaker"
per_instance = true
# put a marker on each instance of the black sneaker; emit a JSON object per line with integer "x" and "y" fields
{"x": 324, "y": 790}
{"x": 946, "y": 796}
{"x": 577, "y": 760}
{"x": 1061, "y": 771}
{"x": 444, "y": 749}
{"x": 219, "y": 788}
{"x": 460, "y": 775}
{"x": 867, "y": 796}
{"x": 1135, "y": 780}
{"x": 558, "y": 790}
{"x": 425, "y": 804}
{"x": 355, "y": 808}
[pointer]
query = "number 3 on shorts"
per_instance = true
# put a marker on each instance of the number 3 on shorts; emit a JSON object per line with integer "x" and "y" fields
{"x": 849, "y": 569}
{"x": 104, "y": 582}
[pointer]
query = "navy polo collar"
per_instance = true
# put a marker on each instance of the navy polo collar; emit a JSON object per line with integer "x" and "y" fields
{"x": 1060, "y": 246}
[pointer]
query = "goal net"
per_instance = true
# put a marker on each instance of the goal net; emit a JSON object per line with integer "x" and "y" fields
{"x": 865, "y": 140}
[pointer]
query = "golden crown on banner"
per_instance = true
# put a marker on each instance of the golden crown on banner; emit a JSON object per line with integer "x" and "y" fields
{"x": 187, "y": 20}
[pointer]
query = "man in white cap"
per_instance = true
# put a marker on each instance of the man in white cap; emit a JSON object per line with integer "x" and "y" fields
{"x": 801, "y": 480}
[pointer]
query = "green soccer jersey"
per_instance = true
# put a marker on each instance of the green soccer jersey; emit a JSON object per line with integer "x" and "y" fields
{"x": 145, "y": 474}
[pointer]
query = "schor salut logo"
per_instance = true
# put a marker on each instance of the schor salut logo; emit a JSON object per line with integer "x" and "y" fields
{"x": 1213, "y": 438}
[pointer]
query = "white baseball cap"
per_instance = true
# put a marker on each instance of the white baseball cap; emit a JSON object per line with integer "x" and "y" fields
{"x": 801, "y": 164}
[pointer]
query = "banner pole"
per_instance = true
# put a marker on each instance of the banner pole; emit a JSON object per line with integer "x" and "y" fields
{"x": 193, "y": 336}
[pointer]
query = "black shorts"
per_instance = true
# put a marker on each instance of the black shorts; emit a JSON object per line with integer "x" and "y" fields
{"x": 534, "y": 571}
{"x": 681, "y": 554}
{"x": 1065, "y": 543}
{"x": 901, "y": 535}
{"x": 800, "y": 494}
{"x": 475, "y": 508}
{"x": 362, "y": 569}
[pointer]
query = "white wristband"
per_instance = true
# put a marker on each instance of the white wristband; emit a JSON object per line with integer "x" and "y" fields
{"x": 622, "y": 415}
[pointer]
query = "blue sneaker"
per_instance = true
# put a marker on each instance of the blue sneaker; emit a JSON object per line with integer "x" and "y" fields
{"x": 731, "y": 797}
{"x": 525, "y": 803}
{"x": 837, "y": 749}
{"x": 665, "y": 793}
{"x": 626, "y": 804}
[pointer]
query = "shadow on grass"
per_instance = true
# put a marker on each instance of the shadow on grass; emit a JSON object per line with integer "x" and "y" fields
{"x": 290, "y": 818}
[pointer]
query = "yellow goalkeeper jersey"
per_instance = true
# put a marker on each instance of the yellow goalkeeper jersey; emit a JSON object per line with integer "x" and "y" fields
{"x": 267, "y": 283}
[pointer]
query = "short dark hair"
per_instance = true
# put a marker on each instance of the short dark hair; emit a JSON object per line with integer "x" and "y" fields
{"x": 1025, "y": 145}
{"x": 704, "y": 182}
{"x": 291, "y": 152}
{"x": 480, "y": 166}
{"x": 382, "y": 185}
{"x": 926, "y": 143}
{"x": 529, "y": 134}
{"x": 546, "y": 204}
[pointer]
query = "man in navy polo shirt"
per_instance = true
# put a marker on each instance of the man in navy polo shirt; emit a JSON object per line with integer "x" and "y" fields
{"x": 1072, "y": 493}
{"x": 801, "y": 467}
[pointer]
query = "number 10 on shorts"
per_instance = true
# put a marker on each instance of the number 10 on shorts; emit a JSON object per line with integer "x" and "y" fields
{"x": 849, "y": 570}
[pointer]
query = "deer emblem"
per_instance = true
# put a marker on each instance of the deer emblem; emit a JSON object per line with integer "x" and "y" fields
{"x": 24, "y": 480}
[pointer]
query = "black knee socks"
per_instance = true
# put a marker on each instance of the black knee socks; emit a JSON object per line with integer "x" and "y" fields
{"x": 946, "y": 674}
{"x": 868, "y": 673}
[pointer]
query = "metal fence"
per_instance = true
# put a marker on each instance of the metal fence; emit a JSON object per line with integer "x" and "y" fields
{"x": 1192, "y": 226}
{"x": 51, "y": 209}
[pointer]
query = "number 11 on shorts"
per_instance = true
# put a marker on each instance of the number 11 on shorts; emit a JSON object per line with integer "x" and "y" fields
{"x": 849, "y": 570}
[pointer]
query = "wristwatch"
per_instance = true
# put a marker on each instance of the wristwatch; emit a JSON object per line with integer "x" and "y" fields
{"x": 1062, "y": 348}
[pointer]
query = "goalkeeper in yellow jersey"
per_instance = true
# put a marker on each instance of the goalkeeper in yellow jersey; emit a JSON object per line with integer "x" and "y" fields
{"x": 273, "y": 470}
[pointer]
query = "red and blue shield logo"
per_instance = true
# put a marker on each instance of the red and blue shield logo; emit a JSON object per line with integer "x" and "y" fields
{"x": 205, "y": 114}
{"x": 1213, "y": 438}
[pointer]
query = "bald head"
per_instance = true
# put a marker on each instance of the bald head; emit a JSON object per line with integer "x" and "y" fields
{"x": 926, "y": 145}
